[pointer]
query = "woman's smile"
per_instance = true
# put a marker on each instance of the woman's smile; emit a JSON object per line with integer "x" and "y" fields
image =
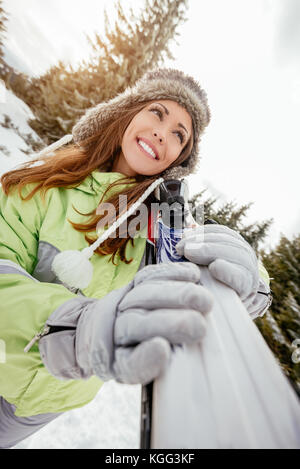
{"x": 145, "y": 148}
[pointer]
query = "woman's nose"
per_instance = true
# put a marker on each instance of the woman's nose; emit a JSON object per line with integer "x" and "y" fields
{"x": 156, "y": 136}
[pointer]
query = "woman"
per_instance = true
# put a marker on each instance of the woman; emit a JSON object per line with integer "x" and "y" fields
{"x": 84, "y": 322}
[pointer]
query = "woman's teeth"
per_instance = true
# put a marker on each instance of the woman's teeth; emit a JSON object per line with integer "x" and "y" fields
{"x": 147, "y": 148}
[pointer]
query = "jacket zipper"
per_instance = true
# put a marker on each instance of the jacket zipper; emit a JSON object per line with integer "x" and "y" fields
{"x": 45, "y": 331}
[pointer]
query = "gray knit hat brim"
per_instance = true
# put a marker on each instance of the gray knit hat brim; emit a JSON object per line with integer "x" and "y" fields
{"x": 169, "y": 84}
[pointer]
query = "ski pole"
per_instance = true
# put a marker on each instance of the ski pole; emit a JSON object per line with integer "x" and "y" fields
{"x": 164, "y": 231}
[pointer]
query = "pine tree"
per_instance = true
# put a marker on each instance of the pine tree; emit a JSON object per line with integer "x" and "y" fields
{"x": 283, "y": 265}
{"x": 60, "y": 96}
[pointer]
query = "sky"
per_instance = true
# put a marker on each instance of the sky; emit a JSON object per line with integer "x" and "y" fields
{"x": 244, "y": 53}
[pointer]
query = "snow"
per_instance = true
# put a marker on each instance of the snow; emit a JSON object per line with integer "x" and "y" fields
{"x": 12, "y": 143}
{"x": 112, "y": 419}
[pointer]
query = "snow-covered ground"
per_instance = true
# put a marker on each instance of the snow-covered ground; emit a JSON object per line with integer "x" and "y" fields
{"x": 111, "y": 420}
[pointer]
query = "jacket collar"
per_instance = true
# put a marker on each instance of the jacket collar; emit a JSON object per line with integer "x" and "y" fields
{"x": 97, "y": 181}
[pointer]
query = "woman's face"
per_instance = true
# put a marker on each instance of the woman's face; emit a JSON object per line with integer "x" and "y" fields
{"x": 154, "y": 139}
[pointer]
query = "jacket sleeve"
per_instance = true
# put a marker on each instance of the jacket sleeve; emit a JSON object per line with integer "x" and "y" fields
{"x": 25, "y": 303}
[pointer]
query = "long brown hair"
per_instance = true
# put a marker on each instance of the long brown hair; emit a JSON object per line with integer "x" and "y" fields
{"x": 71, "y": 164}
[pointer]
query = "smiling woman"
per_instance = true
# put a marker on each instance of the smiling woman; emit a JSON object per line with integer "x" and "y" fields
{"x": 77, "y": 323}
{"x": 58, "y": 297}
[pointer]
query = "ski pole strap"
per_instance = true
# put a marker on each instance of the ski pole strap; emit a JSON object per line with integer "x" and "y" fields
{"x": 264, "y": 293}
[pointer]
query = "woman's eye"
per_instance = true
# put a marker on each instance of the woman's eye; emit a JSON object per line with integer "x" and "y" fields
{"x": 180, "y": 136}
{"x": 157, "y": 110}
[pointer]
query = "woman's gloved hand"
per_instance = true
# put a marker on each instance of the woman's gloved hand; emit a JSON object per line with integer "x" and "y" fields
{"x": 230, "y": 259}
{"x": 127, "y": 335}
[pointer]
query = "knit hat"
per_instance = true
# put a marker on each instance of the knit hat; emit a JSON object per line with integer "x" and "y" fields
{"x": 73, "y": 267}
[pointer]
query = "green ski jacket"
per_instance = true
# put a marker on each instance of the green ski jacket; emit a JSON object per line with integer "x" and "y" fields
{"x": 31, "y": 234}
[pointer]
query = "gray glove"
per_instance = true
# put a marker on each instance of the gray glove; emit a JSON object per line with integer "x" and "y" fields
{"x": 231, "y": 260}
{"x": 228, "y": 256}
{"x": 128, "y": 334}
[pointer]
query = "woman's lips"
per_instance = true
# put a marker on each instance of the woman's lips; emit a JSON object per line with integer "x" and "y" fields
{"x": 144, "y": 151}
